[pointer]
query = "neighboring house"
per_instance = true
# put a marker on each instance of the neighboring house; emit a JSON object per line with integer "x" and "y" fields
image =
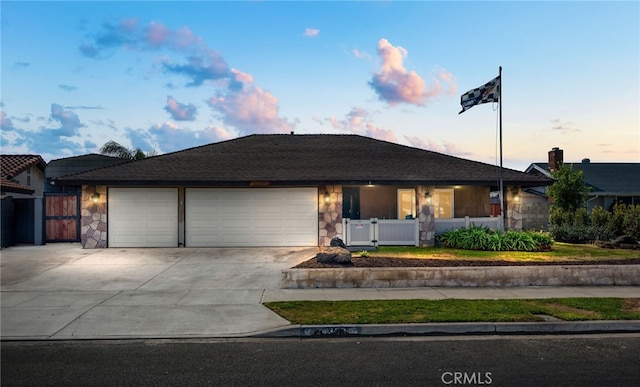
{"x": 609, "y": 183}
{"x": 76, "y": 164}
{"x": 62, "y": 202}
{"x": 21, "y": 190}
{"x": 292, "y": 190}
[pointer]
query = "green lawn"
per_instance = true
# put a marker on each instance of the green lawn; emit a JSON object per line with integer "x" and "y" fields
{"x": 455, "y": 310}
{"x": 559, "y": 252}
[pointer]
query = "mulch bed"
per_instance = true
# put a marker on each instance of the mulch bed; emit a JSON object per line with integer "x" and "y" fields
{"x": 413, "y": 262}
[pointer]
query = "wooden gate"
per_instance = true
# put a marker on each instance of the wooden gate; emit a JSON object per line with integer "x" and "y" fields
{"x": 62, "y": 216}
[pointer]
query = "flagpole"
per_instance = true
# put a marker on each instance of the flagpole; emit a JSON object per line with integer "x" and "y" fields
{"x": 502, "y": 214}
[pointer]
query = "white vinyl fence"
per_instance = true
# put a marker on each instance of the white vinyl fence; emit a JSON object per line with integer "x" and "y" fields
{"x": 442, "y": 225}
{"x": 381, "y": 232}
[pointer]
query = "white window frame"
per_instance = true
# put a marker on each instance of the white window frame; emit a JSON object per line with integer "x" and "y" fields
{"x": 413, "y": 202}
{"x": 436, "y": 202}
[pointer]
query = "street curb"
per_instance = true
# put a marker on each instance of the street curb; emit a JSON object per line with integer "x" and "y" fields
{"x": 436, "y": 329}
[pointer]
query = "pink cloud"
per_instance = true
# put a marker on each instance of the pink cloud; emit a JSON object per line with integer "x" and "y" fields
{"x": 180, "y": 111}
{"x": 311, "y": 32}
{"x": 157, "y": 34}
{"x": 183, "y": 38}
{"x": 216, "y": 133}
{"x": 394, "y": 84}
{"x": 359, "y": 121}
{"x": 361, "y": 54}
{"x": 172, "y": 137}
{"x": 251, "y": 110}
{"x": 334, "y": 122}
{"x": 445, "y": 148}
{"x": 128, "y": 24}
{"x": 241, "y": 76}
{"x": 240, "y": 105}
{"x": 379, "y": 133}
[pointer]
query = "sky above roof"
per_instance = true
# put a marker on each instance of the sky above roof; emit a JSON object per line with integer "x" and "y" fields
{"x": 166, "y": 76}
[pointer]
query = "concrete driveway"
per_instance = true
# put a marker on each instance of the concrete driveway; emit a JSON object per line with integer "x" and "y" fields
{"x": 61, "y": 291}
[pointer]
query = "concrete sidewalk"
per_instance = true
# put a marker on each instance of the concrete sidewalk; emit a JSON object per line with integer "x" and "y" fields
{"x": 62, "y": 292}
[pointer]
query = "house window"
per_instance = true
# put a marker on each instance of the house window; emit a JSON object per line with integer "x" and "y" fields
{"x": 406, "y": 203}
{"x": 443, "y": 203}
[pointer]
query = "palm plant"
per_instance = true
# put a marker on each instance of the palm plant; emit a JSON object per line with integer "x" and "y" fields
{"x": 112, "y": 148}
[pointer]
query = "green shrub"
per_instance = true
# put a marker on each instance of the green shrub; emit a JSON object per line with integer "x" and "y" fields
{"x": 579, "y": 234}
{"x": 599, "y": 224}
{"x": 580, "y": 217}
{"x": 616, "y": 220}
{"x": 558, "y": 216}
{"x": 483, "y": 238}
{"x": 543, "y": 239}
{"x": 599, "y": 217}
{"x": 631, "y": 222}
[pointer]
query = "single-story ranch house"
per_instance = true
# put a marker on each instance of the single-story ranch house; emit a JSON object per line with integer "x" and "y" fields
{"x": 293, "y": 190}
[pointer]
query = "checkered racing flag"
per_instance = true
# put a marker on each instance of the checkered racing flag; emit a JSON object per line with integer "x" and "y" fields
{"x": 489, "y": 92}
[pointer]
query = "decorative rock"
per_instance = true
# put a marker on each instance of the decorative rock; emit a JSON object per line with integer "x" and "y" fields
{"x": 624, "y": 239}
{"x": 337, "y": 242}
{"x": 334, "y": 255}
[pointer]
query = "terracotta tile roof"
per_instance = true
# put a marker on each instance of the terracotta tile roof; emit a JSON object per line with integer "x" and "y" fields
{"x": 303, "y": 159}
{"x": 13, "y": 165}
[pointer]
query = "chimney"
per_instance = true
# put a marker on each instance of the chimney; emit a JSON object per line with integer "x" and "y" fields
{"x": 555, "y": 159}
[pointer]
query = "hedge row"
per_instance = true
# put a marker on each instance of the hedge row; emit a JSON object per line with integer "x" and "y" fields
{"x": 600, "y": 224}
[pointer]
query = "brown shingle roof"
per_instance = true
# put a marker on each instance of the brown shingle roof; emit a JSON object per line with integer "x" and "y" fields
{"x": 303, "y": 159}
{"x": 13, "y": 165}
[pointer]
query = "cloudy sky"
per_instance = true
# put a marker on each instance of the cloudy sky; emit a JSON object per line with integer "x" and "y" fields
{"x": 166, "y": 76}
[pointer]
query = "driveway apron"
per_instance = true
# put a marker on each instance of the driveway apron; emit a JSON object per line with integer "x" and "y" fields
{"x": 61, "y": 291}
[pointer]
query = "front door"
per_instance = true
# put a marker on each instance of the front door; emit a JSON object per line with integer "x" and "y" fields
{"x": 351, "y": 202}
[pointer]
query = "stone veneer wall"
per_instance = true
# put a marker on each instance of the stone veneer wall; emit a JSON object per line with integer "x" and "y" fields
{"x": 93, "y": 232}
{"x": 424, "y": 205}
{"x": 329, "y": 215}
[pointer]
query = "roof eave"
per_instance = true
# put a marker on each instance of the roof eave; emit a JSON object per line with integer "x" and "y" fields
{"x": 309, "y": 182}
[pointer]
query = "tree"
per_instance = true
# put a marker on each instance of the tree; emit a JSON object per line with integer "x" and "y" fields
{"x": 568, "y": 194}
{"x": 112, "y": 148}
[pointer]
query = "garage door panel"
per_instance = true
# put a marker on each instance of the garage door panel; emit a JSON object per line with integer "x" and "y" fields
{"x": 251, "y": 217}
{"x": 143, "y": 217}
{"x": 126, "y": 240}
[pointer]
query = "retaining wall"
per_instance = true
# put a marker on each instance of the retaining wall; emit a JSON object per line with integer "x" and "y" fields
{"x": 477, "y": 276}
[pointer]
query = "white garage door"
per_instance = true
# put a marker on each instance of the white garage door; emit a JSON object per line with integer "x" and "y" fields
{"x": 217, "y": 217}
{"x": 143, "y": 217}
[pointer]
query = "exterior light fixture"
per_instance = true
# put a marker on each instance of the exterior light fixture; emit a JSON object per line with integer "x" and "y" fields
{"x": 327, "y": 197}
{"x": 95, "y": 197}
{"x": 515, "y": 191}
{"x": 427, "y": 195}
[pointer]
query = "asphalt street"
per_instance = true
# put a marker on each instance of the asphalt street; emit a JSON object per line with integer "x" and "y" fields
{"x": 587, "y": 360}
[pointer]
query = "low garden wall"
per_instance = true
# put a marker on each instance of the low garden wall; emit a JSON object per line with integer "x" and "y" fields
{"x": 478, "y": 276}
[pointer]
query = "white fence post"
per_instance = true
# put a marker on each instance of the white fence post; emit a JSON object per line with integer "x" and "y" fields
{"x": 374, "y": 231}
{"x": 345, "y": 230}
